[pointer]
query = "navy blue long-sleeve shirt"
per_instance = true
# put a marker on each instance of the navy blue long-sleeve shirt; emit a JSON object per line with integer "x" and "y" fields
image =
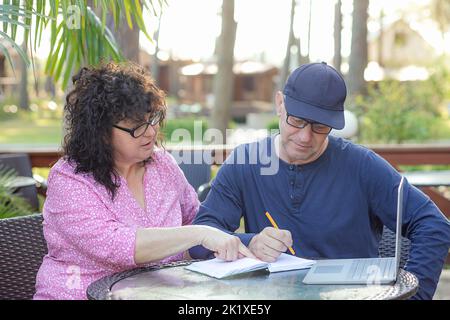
{"x": 334, "y": 207}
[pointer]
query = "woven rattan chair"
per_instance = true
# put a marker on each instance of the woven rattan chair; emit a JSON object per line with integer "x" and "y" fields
{"x": 22, "y": 248}
{"x": 203, "y": 191}
{"x": 20, "y": 162}
{"x": 196, "y": 174}
{"x": 387, "y": 246}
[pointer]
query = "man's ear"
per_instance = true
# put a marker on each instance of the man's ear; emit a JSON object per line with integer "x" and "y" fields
{"x": 279, "y": 102}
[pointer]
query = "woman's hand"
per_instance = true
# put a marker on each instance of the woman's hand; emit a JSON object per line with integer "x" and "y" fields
{"x": 225, "y": 246}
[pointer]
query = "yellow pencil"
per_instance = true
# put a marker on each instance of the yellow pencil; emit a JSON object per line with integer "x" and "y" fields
{"x": 274, "y": 224}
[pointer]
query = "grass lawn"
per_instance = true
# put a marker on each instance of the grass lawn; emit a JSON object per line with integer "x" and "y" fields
{"x": 42, "y": 131}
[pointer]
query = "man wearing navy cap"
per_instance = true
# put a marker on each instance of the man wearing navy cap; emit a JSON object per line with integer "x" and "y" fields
{"x": 329, "y": 197}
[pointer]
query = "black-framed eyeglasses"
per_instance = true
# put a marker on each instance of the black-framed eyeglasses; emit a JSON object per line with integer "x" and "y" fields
{"x": 301, "y": 123}
{"x": 140, "y": 130}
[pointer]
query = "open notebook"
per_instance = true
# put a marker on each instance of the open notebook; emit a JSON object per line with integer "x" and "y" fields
{"x": 218, "y": 268}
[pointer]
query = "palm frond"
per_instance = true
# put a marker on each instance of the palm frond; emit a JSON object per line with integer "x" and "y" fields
{"x": 16, "y": 47}
{"x": 71, "y": 47}
{"x": 11, "y": 205}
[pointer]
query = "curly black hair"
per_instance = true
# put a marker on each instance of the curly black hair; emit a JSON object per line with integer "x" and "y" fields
{"x": 102, "y": 96}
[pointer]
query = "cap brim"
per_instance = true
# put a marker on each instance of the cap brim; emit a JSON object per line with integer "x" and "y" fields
{"x": 300, "y": 109}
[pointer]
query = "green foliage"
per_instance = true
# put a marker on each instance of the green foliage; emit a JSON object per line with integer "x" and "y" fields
{"x": 45, "y": 127}
{"x": 191, "y": 127}
{"x": 5, "y": 107}
{"x": 274, "y": 124}
{"x": 11, "y": 205}
{"x": 41, "y": 124}
{"x": 396, "y": 112}
{"x": 40, "y": 109}
{"x": 77, "y": 35}
{"x": 42, "y": 132}
{"x": 425, "y": 167}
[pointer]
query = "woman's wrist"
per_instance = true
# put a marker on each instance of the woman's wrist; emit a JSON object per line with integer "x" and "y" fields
{"x": 201, "y": 232}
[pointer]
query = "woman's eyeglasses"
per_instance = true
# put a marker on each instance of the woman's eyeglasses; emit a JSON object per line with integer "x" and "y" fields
{"x": 142, "y": 128}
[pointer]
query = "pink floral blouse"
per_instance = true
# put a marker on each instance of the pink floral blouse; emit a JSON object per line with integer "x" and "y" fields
{"x": 89, "y": 236}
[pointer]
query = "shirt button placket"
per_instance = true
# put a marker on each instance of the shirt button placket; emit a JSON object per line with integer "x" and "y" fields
{"x": 300, "y": 182}
{"x": 293, "y": 177}
{"x": 298, "y": 185}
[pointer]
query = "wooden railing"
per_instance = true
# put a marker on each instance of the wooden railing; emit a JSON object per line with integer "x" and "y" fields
{"x": 396, "y": 155}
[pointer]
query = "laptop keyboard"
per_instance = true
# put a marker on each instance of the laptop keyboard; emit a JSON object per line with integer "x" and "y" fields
{"x": 376, "y": 268}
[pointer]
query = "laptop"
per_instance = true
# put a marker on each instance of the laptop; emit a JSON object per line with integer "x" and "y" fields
{"x": 361, "y": 271}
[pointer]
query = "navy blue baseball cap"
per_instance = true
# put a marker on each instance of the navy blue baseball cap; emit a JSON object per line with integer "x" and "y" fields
{"x": 316, "y": 91}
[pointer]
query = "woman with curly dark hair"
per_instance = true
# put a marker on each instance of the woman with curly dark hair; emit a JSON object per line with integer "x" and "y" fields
{"x": 115, "y": 200}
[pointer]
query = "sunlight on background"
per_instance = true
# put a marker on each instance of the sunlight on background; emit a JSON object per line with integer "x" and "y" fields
{"x": 189, "y": 28}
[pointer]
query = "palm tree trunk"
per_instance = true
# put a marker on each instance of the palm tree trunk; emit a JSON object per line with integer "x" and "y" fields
{"x": 337, "y": 59}
{"x": 224, "y": 79}
{"x": 124, "y": 36}
{"x": 358, "y": 54}
{"x": 300, "y": 59}
{"x": 308, "y": 56}
{"x": 381, "y": 39}
{"x": 127, "y": 39}
{"x": 287, "y": 57}
{"x": 155, "y": 61}
{"x": 24, "y": 100}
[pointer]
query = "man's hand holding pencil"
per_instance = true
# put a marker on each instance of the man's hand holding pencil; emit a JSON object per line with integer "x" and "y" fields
{"x": 271, "y": 242}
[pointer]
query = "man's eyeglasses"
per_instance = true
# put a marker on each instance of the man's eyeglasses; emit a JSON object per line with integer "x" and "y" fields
{"x": 301, "y": 123}
{"x": 142, "y": 128}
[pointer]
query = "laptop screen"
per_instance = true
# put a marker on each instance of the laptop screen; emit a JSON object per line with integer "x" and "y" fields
{"x": 398, "y": 230}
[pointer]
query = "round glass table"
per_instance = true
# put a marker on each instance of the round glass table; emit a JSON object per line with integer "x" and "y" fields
{"x": 174, "y": 282}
